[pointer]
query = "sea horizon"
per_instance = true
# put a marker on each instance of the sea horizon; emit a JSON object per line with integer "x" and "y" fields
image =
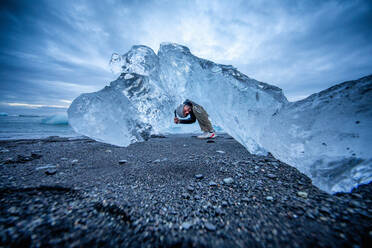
{"x": 34, "y": 126}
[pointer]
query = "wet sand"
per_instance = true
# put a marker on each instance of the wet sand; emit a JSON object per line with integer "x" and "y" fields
{"x": 173, "y": 191}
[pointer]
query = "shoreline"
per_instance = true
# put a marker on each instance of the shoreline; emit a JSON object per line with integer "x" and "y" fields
{"x": 169, "y": 190}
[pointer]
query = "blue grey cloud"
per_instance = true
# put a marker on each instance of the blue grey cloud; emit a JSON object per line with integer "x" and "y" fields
{"x": 52, "y": 51}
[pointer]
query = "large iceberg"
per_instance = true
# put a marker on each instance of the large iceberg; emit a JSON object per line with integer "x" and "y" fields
{"x": 326, "y": 136}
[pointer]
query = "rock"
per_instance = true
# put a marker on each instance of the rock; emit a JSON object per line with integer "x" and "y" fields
{"x": 186, "y": 225}
{"x": 272, "y": 176}
{"x": 212, "y": 184}
{"x": 48, "y": 166}
{"x": 310, "y": 215}
{"x": 199, "y": 176}
{"x": 186, "y": 196}
{"x": 159, "y": 136}
{"x": 219, "y": 211}
{"x": 245, "y": 199}
{"x": 355, "y": 204}
{"x": 35, "y": 155}
{"x": 222, "y": 152}
{"x": 323, "y": 218}
{"x": 13, "y": 210}
{"x": 50, "y": 172}
{"x": 8, "y": 161}
{"x": 190, "y": 188}
{"x": 210, "y": 226}
{"x": 224, "y": 204}
{"x": 108, "y": 150}
{"x": 302, "y": 194}
{"x": 269, "y": 198}
{"x": 228, "y": 180}
{"x": 22, "y": 159}
{"x": 123, "y": 161}
{"x": 325, "y": 210}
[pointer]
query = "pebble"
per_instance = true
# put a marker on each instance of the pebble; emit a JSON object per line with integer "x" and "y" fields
{"x": 272, "y": 176}
{"x": 210, "y": 226}
{"x": 50, "y": 172}
{"x": 75, "y": 161}
{"x": 48, "y": 166}
{"x": 35, "y": 155}
{"x": 228, "y": 180}
{"x": 186, "y": 195}
{"x": 21, "y": 158}
{"x": 219, "y": 211}
{"x": 64, "y": 159}
{"x": 302, "y": 194}
{"x": 8, "y": 161}
{"x": 190, "y": 188}
{"x": 123, "y": 161}
{"x": 356, "y": 204}
{"x": 222, "y": 152}
{"x": 323, "y": 218}
{"x": 157, "y": 161}
{"x": 310, "y": 215}
{"x": 186, "y": 225}
{"x": 212, "y": 184}
{"x": 269, "y": 198}
{"x": 12, "y": 210}
{"x": 108, "y": 150}
{"x": 199, "y": 176}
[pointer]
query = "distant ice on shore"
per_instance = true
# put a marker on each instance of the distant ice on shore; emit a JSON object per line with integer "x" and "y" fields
{"x": 34, "y": 127}
{"x": 326, "y": 136}
{"x": 57, "y": 119}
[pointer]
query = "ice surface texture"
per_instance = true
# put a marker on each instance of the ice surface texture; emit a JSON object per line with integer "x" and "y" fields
{"x": 327, "y": 135}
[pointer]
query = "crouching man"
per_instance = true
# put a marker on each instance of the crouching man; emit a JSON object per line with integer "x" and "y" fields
{"x": 196, "y": 112}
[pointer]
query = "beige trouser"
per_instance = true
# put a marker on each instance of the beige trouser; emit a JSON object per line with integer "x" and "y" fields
{"x": 202, "y": 117}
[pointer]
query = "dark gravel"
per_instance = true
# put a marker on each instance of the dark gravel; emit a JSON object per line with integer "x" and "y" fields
{"x": 170, "y": 191}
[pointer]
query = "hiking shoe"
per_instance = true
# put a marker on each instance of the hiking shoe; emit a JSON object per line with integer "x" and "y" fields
{"x": 207, "y": 135}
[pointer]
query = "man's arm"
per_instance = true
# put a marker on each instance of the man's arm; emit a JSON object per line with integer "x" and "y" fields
{"x": 191, "y": 120}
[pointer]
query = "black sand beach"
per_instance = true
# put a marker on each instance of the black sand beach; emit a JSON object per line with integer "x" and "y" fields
{"x": 173, "y": 191}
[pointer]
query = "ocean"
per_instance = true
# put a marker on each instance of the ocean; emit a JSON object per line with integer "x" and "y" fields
{"x": 34, "y": 126}
{"x": 42, "y": 126}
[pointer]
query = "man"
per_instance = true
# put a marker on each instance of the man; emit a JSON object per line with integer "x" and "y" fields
{"x": 196, "y": 112}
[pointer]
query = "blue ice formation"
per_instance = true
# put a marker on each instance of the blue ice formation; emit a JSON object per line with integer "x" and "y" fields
{"x": 327, "y": 136}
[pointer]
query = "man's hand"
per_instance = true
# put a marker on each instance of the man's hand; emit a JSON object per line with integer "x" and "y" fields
{"x": 176, "y": 120}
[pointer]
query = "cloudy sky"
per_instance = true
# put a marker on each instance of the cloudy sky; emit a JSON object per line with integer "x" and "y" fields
{"x": 52, "y": 51}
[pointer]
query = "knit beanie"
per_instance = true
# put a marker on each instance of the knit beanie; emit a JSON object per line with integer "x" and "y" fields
{"x": 179, "y": 111}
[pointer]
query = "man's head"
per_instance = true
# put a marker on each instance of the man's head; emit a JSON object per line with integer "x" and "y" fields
{"x": 186, "y": 109}
{"x": 183, "y": 110}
